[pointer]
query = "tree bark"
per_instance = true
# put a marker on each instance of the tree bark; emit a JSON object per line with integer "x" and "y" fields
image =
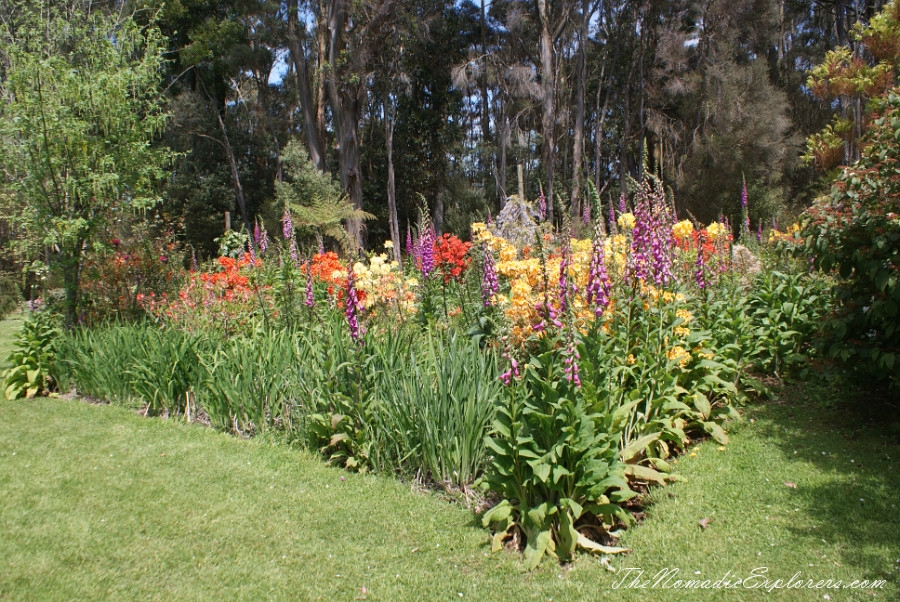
{"x": 391, "y": 192}
{"x": 346, "y": 90}
{"x": 520, "y": 165}
{"x": 548, "y": 117}
{"x": 235, "y": 174}
{"x": 578, "y": 142}
{"x": 307, "y": 107}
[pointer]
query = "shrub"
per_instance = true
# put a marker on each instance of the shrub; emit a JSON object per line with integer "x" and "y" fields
{"x": 856, "y": 232}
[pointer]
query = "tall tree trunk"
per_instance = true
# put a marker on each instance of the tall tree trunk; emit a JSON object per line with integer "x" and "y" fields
{"x": 520, "y": 162}
{"x": 599, "y": 128}
{"x": 548, "y": 118}
{"x": 485, "y": 107}
{"x": 504, "y": 144}
{"x": 345, "y": 112}
{"x": 580, "y": 76}
{"x": 322, "y": 43}
{"x": 235, "y": 174}
{"x": 391, "y": 192}
{"x": 301, "y": 71}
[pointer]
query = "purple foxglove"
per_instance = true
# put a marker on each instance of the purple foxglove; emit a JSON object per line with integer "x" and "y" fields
{"x": 287, "y": 224}
{"x": 489, "y": 284}
{"x": 598, "y": 286}
{"x": 352, "y": 309}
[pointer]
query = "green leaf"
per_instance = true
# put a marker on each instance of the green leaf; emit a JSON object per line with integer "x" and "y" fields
{"x": 645, "y": 473}
{"x": 541, "y": 469}
{"x": 596, "y": 548}
{"x": 702, "y": 404}
{"x": 637, "y": 447}
{"x": 716, "y": 432}
{"x": 500, "y": 512}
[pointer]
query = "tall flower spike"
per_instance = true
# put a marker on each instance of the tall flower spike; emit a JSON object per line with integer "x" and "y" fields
{"x": 598, "y": 280}
{"x": 256, "y": 234}
{"x": 745, "y": 213}
{"x": 409, "y": 242}
{"x": 542, "y": 206}
{"x": 586, "y": 214}
{"x": 287, "y": 224}
{"x": 759, "y": 232}
{"x": 513, "y": 371}
{"x": 489, "y": 284}
{"x": 263, "y": 239}
{"x": 571, "y": 360}
{"x": 426, "y": 244}
{"x": 700, "y": 266}
{"x": 310, "y": 298}
{"x": 564, "y": 276}
{"x": 352, "y": 307}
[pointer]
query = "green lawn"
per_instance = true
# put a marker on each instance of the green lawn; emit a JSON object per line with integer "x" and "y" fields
{"x": 99, "y": 503}
{"x": 8, "y": 329}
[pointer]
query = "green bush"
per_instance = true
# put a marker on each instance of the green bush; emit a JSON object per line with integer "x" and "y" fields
{"x": 10, "y": 295}
{"x": 855, "y": 232}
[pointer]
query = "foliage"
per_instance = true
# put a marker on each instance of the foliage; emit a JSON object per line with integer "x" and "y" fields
{"x": 314, "y": 198}
{"x": 33, "y": 357}
{"x": 554, "y": 462}
{"x": 10, "y": 294}
{"x": 855, "y": 233}
{"x": 81, "y": 105}
{"x": 124, "y": 271}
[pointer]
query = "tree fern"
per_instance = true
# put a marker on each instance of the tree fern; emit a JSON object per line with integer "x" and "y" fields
{"x": 314, "y": 198}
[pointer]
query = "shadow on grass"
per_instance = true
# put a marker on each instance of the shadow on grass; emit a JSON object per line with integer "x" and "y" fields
{"x": 852, "y": 439}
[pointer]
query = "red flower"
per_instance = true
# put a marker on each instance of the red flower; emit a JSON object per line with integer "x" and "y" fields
{"x": 451, "y": 256}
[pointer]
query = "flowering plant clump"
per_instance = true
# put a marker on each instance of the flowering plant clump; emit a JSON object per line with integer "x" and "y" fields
{"x": 222, "y": 299}
{"x": 452, "y": 256}
{"x": 120, "y": 274}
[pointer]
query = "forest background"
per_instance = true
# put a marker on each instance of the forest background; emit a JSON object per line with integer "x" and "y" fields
{"x": 463, "y": 104}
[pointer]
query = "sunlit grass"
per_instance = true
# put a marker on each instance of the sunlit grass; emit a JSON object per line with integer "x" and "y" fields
{"x": 8, "y": 329}
{"x": 100, "y": 503}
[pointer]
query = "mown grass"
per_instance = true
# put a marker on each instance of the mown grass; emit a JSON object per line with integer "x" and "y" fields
{"x": 102, "y": 504}
{"x": 8, "y": 329}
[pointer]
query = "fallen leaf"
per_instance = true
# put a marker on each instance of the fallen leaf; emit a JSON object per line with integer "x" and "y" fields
{"x": 703, "y": 522}
{"x": 791, "y": 485}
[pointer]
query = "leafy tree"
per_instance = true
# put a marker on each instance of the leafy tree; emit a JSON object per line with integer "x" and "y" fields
{"x": 80, "y": 105}
{"x": 855, "y": 231}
